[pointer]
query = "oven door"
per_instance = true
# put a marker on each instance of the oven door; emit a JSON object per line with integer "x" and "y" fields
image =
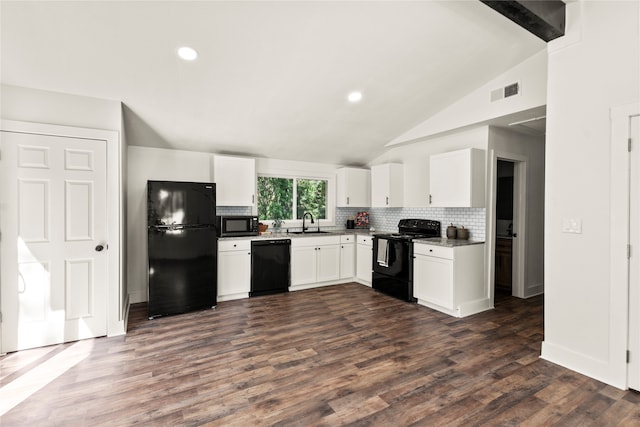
{"x": 393, "y": 277}
{"x": 398, "y": 257}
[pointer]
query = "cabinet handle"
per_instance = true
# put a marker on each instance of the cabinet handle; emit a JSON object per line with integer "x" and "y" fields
{"x": 429, "y": 198}
{"x": 235, "y": 246}
{"x": 347, "y": 199}
{"x": 387, "y": 199}
{"x": 253, "y": 198}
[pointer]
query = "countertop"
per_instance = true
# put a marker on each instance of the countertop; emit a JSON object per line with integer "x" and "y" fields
{"x": 285, "y": 235}
{"x": 504, "y": 237}
{"x": 450, "y": 243}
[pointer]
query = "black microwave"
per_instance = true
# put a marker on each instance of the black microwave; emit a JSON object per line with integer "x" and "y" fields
{"x": 238, "y": 226}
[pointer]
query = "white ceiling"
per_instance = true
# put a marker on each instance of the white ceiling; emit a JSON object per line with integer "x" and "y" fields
{"x": 272, "y": 77}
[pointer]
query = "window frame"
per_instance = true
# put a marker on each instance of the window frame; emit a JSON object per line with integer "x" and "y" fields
{"x": 331, "y": 197}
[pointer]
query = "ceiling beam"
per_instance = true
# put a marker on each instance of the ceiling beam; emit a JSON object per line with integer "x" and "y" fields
{"x": 544, "y": 18}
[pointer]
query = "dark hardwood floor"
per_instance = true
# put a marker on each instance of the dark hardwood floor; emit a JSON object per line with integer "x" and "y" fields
{"x": 339, "y": 355}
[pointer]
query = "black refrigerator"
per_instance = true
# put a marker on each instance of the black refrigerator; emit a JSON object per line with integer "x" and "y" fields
{"x": 182, "y": 243}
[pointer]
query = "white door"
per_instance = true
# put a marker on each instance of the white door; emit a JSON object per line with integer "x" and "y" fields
{"x": 303, "y": 265}
{"x": 328, "y": 263}
{"x": 347, "y": 260}
{"x": 53, "y": 222}
{"x": 435, "y": 280}
{"x": 634, "y": 259}
{"x": 364, "y": 261}
{"x": 234, "y": 272}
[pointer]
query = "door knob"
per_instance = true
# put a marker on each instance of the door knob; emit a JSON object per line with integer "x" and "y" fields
{"x": 99, "y": 248}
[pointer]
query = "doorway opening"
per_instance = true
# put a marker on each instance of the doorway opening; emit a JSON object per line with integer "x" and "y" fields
{"x": 503, "y": 278}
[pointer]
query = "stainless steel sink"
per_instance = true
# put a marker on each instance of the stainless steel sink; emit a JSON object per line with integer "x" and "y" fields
{"x": 309, "y": 232}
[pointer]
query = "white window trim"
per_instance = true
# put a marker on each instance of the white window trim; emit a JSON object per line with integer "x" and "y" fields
{"x": 330, "y": 221}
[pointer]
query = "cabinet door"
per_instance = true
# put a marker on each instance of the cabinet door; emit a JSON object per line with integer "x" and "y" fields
{"x": 364, "y": 263}
{"x": 353, "y": 187}
{"x": 303, "y": 265}
{"x": 386, "y": 185}
{"x": 347, "y": 260}
{"x": 234, "y": 272}
{"x": 433, "y": 280}
{"x": 457, "y": 178}
{"x": 235, "y": 179}
{"x": 328, "y": 258}
{"x": 416, "y": 182}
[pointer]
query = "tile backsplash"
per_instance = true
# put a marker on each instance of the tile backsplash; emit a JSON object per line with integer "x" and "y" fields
{"x": 233, "y": 210}
{"x": 386, "y": 219}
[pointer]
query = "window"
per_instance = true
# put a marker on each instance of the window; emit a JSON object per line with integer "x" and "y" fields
{"x": 290, "y": 198}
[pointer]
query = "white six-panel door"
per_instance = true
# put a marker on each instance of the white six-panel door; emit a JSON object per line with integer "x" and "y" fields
{"x": 53, "y": 221}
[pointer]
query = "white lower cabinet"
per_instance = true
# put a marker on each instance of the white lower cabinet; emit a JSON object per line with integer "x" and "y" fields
{"x": 364, "y": 259}
{"x": 450, "y": 279}
{"x": 234, "y": 269}
{"x": 347, "y": 257}
{"x": 315, "y": 260}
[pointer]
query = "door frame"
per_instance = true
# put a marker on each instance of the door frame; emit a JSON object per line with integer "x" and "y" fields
{"x": 619, "y": 238}
{"x": 520, "y": 216}
{"x": 117, "y": 299}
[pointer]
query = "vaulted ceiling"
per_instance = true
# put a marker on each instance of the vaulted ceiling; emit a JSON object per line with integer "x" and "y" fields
{"x": 272, "y": 77}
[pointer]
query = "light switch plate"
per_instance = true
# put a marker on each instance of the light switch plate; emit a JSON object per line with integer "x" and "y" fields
{"x": 572, "y": 225}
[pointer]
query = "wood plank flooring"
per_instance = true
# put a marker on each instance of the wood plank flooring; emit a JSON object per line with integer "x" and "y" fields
{"x": 340, "y": 355}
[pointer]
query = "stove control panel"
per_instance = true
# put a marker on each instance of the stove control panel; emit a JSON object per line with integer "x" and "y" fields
{"x": 427, "y": 226}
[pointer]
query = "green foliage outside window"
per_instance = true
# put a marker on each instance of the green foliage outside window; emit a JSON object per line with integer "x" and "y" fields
{"x": 276, "y": 198}
{"x": 312, "y": 197}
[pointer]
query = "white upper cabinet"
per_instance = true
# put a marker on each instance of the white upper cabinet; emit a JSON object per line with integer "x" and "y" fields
{"x": 235, "y": 179}
{"x": 387, "y": 185}
{"x": 457, "y": 179}
{"x": 354, "y": 187}
{"x": 416, "y": 182}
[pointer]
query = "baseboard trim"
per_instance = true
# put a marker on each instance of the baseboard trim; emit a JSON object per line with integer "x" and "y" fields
{"x": 580, "y": 363}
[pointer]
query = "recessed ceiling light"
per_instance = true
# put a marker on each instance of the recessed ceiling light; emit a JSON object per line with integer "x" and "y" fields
{"x": 354, "y": 96}
{"x": 187, "y": 53}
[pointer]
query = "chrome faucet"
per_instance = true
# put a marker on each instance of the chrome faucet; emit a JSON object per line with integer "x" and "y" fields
{"x": 304, "y": 228}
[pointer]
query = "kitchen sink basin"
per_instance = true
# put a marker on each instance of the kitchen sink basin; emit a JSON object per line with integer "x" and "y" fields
{"x": 309, "y": 232}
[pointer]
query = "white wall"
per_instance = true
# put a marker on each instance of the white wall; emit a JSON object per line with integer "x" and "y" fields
{"x": 592, "y": 69}
{"x": 477, "y": 107}
{"x": 165, "y": 164}
{"x": 39, "y": 106}
{"x": 415, "y": 160}
{"x": 153, "y": 164}
{"x": 516, "y": 145}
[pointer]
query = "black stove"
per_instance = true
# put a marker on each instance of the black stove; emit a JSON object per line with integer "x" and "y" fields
{"x": 409, "y": 229}
{"x": 393, "y": 257}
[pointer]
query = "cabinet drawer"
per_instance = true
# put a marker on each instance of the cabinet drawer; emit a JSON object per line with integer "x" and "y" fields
{"x": 365, "y": 240}
{"x": 234, "y": 245}
{"x": 431, "y": 250}
{"x": 315, "y": 241}
{"x": 348, "y": 239}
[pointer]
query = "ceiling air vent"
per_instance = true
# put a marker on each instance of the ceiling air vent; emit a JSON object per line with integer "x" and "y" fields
{"x": 505, "y": 92}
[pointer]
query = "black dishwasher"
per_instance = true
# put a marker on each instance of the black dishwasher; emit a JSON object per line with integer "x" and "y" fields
{"x": 270, "y": 266}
